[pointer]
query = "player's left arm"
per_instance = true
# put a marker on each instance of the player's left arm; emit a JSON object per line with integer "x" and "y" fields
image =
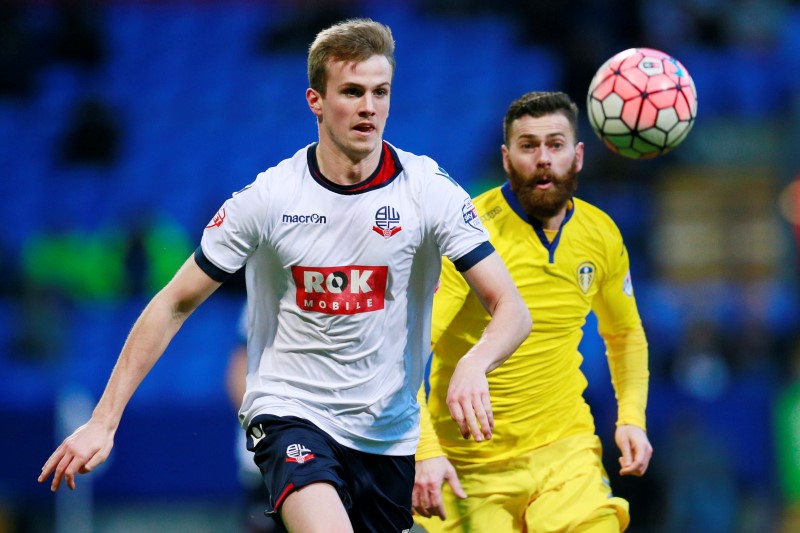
{"x": 510, "y": 325}
{"x": 621, "y": 328}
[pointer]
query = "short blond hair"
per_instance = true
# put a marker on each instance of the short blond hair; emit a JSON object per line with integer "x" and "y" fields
{"x": 351, "y": 40}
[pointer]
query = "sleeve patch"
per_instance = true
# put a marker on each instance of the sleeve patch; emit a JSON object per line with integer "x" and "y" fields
{"x": 470, "y": 215}
{"x": 627, "y": 285}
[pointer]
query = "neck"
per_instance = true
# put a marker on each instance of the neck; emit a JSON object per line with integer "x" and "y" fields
{"x": 343, "y": 169}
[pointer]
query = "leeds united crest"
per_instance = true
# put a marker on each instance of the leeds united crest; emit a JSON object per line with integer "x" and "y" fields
{"x": 586, "y": 272}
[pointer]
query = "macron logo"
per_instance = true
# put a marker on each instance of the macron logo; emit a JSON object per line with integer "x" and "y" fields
{"x": 305, "y": 219}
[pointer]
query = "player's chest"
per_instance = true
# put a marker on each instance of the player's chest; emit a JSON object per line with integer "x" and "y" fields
{"x": 325, "y": 228}
{"x": 568, "y": 270}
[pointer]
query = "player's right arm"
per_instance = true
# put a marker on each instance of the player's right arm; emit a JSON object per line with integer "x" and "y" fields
{"x": 510, "y": 324}
{"x": 433, "y": 468}
{"x": 161, "y": 319}
{"x": 448, "y": 299}
{"x": 468, "y": 390}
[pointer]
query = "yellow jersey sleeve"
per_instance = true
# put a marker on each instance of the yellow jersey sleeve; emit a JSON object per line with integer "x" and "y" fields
{"x": 620, "y": 326}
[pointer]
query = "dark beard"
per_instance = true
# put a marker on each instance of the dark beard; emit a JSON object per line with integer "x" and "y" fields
{"x": 540, "y": 204}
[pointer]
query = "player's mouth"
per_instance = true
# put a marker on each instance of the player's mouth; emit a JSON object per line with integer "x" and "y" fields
{"x": 542, "y": 182}
{"x": 365, "y": 128}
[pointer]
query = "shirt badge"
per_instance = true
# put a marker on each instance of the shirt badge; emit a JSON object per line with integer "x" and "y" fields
{"x": 586, "y": 272}
{"x": 387, "y": 222}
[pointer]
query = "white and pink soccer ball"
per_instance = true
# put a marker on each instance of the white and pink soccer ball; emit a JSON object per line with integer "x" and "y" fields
{"x": 642, "y": 103}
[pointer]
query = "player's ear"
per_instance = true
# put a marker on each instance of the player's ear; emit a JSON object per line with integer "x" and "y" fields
{"x": 314, "y": 100}
{"x": 504, "y": 151}
{"x": 578, "y": 157}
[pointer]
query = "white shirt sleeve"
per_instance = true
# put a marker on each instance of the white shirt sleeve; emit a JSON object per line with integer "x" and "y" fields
{"x": 235, "y": 231}
{"x": 457, "y": 227}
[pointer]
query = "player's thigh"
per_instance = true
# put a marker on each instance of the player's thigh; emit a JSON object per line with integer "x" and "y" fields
{"x": 380, "y": 487}
{"x": 576, "y": 489}
{"x": 315, "y": 508}
{"x": 292, "y": 453}
{"x": 496, "y": 501}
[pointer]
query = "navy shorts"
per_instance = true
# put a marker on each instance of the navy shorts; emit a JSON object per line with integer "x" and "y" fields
{"x": 292, "y": 453}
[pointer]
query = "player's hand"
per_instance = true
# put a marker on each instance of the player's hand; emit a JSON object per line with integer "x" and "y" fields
{"x": 80, "y": 453}
{"x": 426, "y": 499}
{"x": 636, "y": 450}
{"x": 468, "y": 400}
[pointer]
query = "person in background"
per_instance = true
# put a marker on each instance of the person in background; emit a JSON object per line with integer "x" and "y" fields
{"x": 342, "y": 244}
{"x": 542, "y": 471}
{"x": 253, "y": 519}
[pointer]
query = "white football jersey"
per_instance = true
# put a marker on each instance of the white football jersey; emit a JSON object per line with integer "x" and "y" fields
{"x": 340, "y": 281}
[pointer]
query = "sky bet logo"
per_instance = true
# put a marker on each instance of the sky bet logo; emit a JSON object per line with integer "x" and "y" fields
{"x": 342, "y": 290}
{"x": 470, "y": 214}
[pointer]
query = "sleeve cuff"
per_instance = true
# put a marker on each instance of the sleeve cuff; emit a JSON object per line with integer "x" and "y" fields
{"x": 474, "y": 257}
{"x": 213, "y": 271}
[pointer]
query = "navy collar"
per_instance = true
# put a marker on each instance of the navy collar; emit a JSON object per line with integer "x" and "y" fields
{"x": 389, "y": 168}
{"x": 537, "y": 225}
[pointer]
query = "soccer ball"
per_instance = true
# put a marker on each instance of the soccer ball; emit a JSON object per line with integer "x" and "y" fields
{"x": 642, "y": 103}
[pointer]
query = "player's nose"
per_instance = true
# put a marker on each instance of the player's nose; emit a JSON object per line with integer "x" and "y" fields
{"x": 543, "y": 157}
{"x": 368, "y": 104}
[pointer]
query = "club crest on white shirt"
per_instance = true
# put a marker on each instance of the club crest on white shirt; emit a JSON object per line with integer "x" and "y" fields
{"x": 387, "y": 222}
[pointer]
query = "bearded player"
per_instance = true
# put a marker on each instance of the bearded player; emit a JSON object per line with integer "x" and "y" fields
{"x": 542, "y": 470}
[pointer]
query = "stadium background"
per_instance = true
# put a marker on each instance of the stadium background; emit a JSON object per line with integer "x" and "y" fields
{"x": 124, "y": 124}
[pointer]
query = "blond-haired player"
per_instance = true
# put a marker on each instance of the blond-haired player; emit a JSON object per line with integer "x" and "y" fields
{"x": 343, "y": 244}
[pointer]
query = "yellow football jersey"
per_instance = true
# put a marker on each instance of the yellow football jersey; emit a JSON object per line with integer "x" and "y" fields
{"x": 537, "y": 393}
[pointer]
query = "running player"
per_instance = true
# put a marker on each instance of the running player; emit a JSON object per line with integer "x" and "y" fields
{"x": 343, "y": 244}
{"x": 542, "y": 471}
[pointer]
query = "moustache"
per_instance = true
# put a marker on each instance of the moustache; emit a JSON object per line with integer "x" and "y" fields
{"x": 540, "y": 176}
